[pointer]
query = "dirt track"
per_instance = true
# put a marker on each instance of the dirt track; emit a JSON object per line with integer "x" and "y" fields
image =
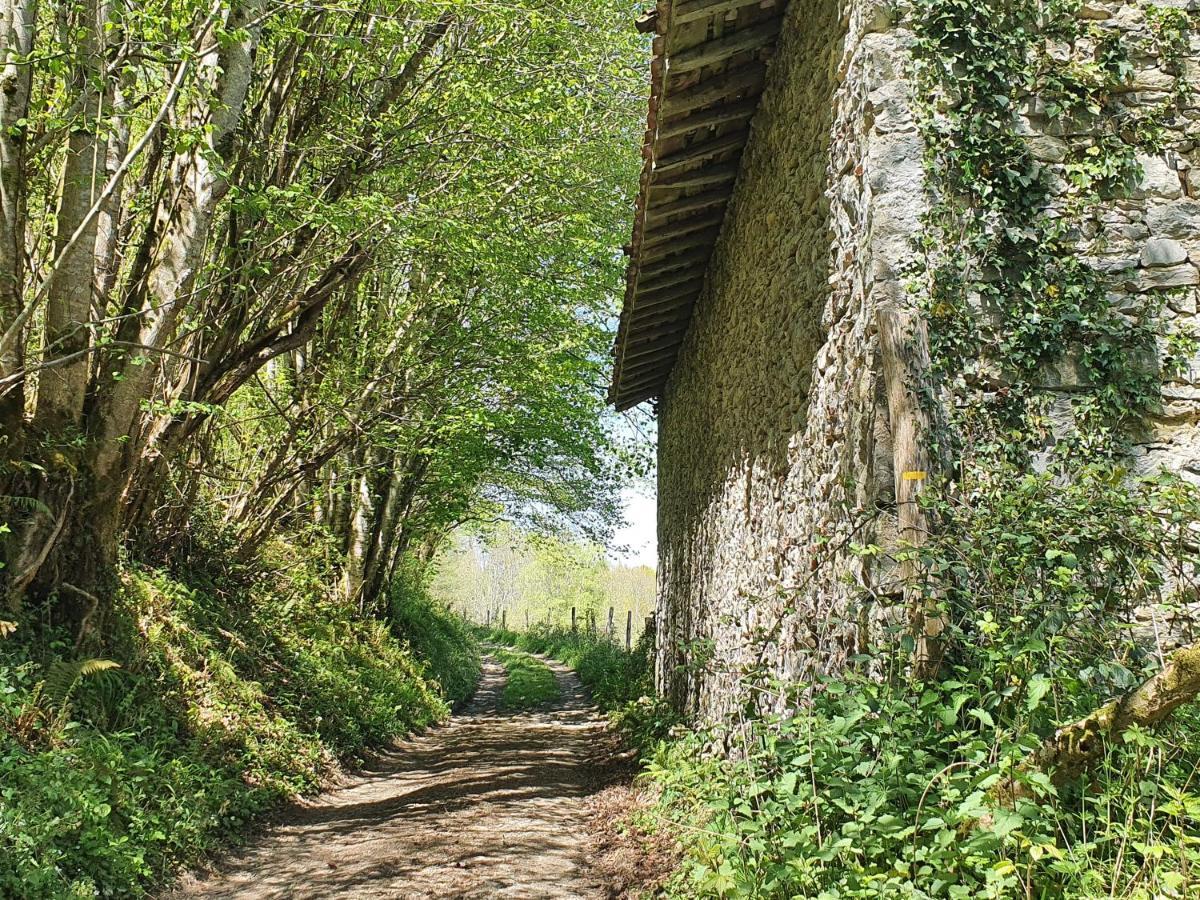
{"x": 492, "y": 805}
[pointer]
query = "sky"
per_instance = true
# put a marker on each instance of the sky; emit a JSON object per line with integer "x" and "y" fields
{"x": 638, "y": 540}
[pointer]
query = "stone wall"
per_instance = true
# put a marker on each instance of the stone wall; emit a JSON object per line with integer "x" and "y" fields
{"x": 774, "y": 444}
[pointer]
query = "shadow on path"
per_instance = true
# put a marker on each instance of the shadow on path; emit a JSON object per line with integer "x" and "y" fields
{"x": 491, "y": 805}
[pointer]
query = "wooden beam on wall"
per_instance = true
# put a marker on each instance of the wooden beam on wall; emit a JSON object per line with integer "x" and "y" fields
{"x": 691, "y": 10}
{"x": 694, "y": 203}
{"x": 706, "y": 176}
{"x": 704, "y": 238}
{"x": 649, "y": 299}
{"x": 681, "y": 313}
{"x": 649, "y": 372}
{"x": 671, "y": 239}
{"x": 709, "y": 118}
{"x": 720, "y": 49}
{"x": 700, "y": 150}
{"x": 648, "y": 286}
{"x": 748, "y": 78}
{"x": 671, "y": 263}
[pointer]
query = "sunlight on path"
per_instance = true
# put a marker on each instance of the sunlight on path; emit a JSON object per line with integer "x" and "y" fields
{"x": 491, "y": 805}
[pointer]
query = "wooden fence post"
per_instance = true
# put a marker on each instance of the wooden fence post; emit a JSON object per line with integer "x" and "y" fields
{"x": 487, "y": 619}
{"x": 573, "y": 626}
{"x": 904, "y": 352}
{"x": 609, "y": 630}
{"x": 526, "y": 620}
{"x": 504, "y": 619}
{"x": 629, "y": 630}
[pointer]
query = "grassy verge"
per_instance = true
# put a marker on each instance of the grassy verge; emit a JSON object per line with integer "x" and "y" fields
{"x": 620, "y": 681}
{"x": 222, "y": 704}
{"x": 531, "y": 682}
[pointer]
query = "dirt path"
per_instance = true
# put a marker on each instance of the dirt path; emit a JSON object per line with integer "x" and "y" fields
{"x": 492, "y": 805}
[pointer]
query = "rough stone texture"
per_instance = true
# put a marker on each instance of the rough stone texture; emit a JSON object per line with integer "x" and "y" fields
{"x": 774, "y": 442}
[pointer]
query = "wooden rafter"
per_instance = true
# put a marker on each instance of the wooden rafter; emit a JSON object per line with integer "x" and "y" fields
{"x": 720, "y": 49}
{"x": 689, "y": 204}
{"x": 739, "y": 111}
{"x": 707, "y": 74}
{"x": 694, "y": 10}
{"x": 747, "y": 79}
{"x": 670, "y": 280}
{"x": 701, "y": 150}
{"x": 688, "y": 260}
{"x": 706, "y": 176}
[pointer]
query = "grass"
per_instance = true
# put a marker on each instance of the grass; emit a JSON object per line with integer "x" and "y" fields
{"x": 531, "y": 683}
{"x": 613, "y": 676}
{"x": 620, "y": 681}
{"x": 225, "y": 703}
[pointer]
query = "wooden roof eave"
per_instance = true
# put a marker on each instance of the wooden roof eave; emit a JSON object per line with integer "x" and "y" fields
{"x": 707, "y": 72}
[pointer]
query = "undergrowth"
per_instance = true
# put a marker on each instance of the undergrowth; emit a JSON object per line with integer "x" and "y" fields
{"x": 218, "y": 703}
{"x": 879, "y": 791}
{"x": 880, "y": 785}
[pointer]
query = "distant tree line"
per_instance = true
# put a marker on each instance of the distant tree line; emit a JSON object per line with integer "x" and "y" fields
{"x": 522, "y": 580}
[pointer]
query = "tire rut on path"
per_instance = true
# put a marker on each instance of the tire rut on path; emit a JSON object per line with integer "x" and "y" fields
{"x": 492, "y": 805}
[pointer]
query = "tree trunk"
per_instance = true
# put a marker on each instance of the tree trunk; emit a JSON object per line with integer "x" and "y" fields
{"x": 362, "y": 519}
{"x": 63, "y": 385}
{"x": 17, "y": 21}
{"x": 76, "y": 542}
{"x": 1072, "y": 749}
{"x": 185, "y": 224}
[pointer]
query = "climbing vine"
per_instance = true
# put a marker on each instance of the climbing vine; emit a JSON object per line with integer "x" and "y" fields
{"x": 1027, "y": 136}
{"x": 1052, "y": 368}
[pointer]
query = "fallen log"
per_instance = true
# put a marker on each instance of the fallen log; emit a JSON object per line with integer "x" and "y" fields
{"x": 1072, "y": 749}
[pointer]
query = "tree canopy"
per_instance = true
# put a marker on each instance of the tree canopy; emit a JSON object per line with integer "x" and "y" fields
{"x": 348, "y": 266}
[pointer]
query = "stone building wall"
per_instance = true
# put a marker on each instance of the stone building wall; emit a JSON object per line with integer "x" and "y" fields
{"x": 774, "y": 440}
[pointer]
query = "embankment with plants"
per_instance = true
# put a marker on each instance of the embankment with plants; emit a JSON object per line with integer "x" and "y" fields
{"x": 209, "y": 703}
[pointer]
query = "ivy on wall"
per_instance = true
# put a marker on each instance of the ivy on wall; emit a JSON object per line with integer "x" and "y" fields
{"x": 1016, "y": 309}
{"x": 1032, "y": 134}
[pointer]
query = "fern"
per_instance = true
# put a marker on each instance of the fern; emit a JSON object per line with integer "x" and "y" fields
{"x": 65, "y": 674}
{"x": 26, "y": 504}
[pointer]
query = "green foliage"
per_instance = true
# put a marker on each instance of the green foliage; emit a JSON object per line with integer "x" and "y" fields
{"x": 882, "y": 787}
{"x": 1057, "y": 569}
{"x": 878, "y": 790}
{"x": 1004, "y": 277}
{"x": 535, "y": 578}
{"x": 64, "y": 675}
{"x": 531, "y": 683}
{"x": 611, "y": 674}
{"x": 620, "y": 681}
{"x": 227, "y": 702}
{"x": 441, "y": 640}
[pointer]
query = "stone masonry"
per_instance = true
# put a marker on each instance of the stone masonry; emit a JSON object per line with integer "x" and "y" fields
{"x": 774, "y": 446}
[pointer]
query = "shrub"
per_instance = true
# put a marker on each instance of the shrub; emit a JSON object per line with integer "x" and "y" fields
{"x": 620, "y": 681}
{"x": 613, "y": 675}
{"x": 443, "y": 642}
{"x": 877, "y": 792}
